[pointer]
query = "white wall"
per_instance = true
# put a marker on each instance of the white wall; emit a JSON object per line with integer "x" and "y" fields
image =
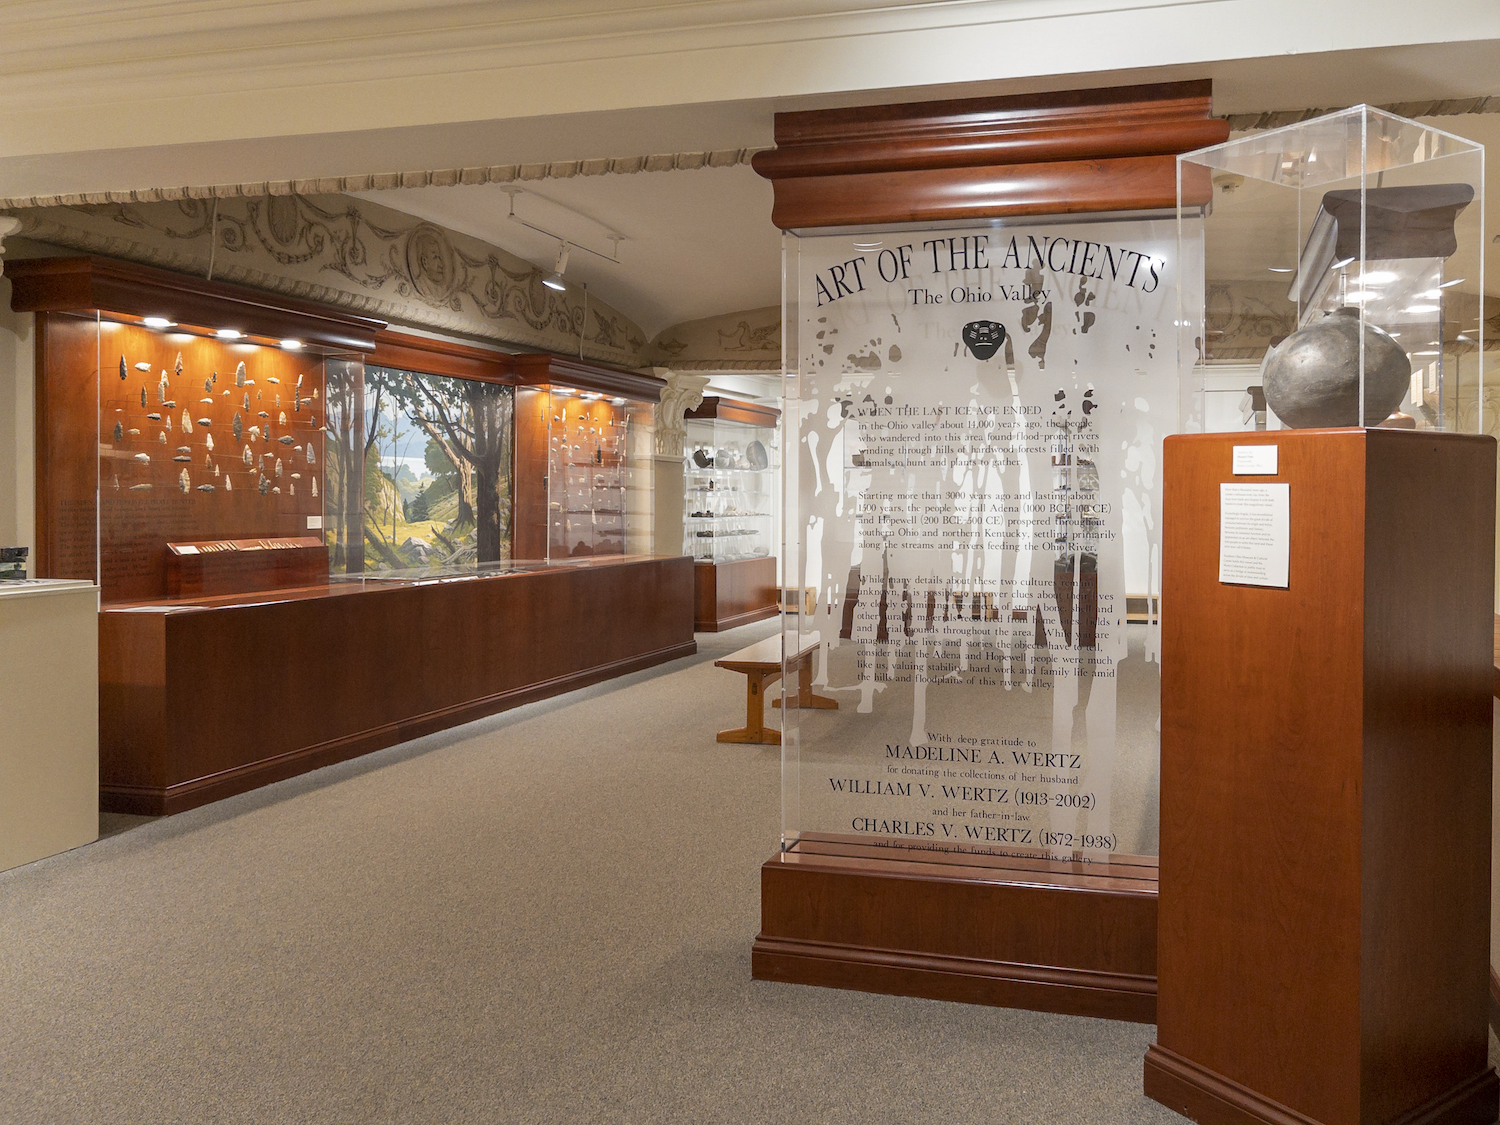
{"x": 17, "y": 440}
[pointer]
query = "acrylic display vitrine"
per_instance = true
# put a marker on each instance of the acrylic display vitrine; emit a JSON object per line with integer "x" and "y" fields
{"x": 1350, "y": 247}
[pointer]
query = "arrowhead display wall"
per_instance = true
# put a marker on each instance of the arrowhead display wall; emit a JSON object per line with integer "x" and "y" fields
{"x": 978, "y": 413}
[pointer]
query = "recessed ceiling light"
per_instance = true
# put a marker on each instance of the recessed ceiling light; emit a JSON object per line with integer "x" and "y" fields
{"x": 1455, "y": 281}
{"x": 229, "y": 333}
{"x": 1282, "y": 269}
{"x": 1377, "y": 277}
{"x": 1341, "y": 264}
{"x": 1421, "y": 308}
{"x": 291, "y": 345}
{"x": 158, "y": 322}
{"x": 868, "y": 245}
{"x": 1426, "y": 353}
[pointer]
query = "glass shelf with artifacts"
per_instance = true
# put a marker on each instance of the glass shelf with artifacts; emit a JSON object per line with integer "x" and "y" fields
{"x": 730, "y": 481}
{"x": 731, "y": 457}
{"x": 585, "y": 433}
{"x": 1343, "y": 267}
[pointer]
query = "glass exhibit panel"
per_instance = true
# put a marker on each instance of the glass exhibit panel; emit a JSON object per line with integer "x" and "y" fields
{"x": 598, "y": 474}
{"x": 207, "y": 446}
{"x": 729, "y": 473}
{"x": 1344, "y": 273}
{"x": 438, "y": 455}
{"x": 977, "y": 414}
{"x": 343, "y": 492}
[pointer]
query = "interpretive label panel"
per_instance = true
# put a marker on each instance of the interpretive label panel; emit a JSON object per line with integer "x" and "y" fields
{"x": 1255, "y": 460}
{"x": 1255, "y": 534}
{"x": 979, "y": 414}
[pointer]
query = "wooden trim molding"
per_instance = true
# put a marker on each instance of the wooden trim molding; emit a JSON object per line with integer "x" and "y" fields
{"x": 734, "y": 410}
{"x": 1205, "y": 1095}
{"x": 112, "y": 285}
{"x": 907, "y": 924}
{"x": 544, "y": 369}
{"x": 1076, "y": 151}
{"x": 441, "y": 357}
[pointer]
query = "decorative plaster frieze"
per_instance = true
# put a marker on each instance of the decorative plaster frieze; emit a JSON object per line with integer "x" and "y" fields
{"x": 1449, "y": 107}
{"x": 390, "y": 181}
{"x": 353, "y": 254}
{"x": 749, "y": 340}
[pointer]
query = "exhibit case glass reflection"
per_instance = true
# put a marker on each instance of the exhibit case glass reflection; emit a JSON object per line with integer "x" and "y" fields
{"x": 973, "y": 425}
{"x": 729, "y": 470}
{"x": 1344, "y": 261}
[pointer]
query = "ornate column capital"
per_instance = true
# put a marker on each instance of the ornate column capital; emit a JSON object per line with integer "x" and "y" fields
{"x": 684, "y": 391}
{"x": 9, "y": 225}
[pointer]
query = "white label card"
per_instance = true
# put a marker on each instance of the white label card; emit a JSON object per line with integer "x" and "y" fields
{"x": 314, "y": 523}
{"x": 1255, "y": 460}
{"x": 1254, "y": 534}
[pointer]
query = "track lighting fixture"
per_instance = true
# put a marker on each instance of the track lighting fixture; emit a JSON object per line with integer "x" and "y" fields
{"x": 556, "y": 280}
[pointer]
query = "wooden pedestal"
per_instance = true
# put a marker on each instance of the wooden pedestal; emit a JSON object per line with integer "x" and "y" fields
{"x": 729, "y": 594}
{"x": 1013, "y": 932}
{"x": 1325, "y": 789}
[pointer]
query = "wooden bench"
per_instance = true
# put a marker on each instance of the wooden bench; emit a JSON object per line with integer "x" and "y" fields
{"x": 761, "y": 664}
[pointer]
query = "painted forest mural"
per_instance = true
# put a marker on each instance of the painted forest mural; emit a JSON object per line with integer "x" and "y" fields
{"x": 419, "y": 470}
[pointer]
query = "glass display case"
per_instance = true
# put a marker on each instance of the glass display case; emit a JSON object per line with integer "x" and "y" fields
{"x": 729, "y": 469}
{"x": 199, "y": 440}
{"x": 584, "y": 438}
{"x": 1344, "y": 273}
{"x": 589, "y": 471}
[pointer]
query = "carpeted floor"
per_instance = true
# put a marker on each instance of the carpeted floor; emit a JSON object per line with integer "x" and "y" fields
{"x": 544, "y": 916}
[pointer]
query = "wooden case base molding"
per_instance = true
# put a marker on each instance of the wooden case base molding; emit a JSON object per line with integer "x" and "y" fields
{"x": 1212, "y": 1099}
{"x": 165, "y": 801}
{"x": 727, "y": 595}
{"x": 1076, "y": 939}
{"x": 204, "y": 700}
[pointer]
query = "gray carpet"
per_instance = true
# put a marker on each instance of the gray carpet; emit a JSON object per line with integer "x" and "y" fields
{"x": 544, "y": 916}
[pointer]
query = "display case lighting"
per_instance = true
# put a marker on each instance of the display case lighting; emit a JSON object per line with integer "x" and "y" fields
{"x": 158, "y": 322}
{"x": 291, "y": 345}
{"x": 229, "y": 334}
{"x": 618, "y": 401}
{"x": 1421, "y": 308}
